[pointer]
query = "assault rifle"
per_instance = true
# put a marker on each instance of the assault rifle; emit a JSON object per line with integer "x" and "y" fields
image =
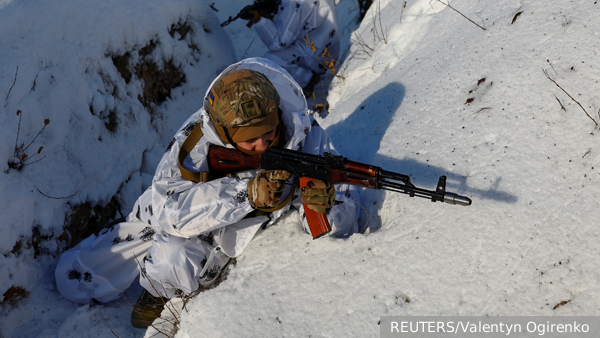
{"x": 266, "y": 8}
{"x": 332, "y": 168}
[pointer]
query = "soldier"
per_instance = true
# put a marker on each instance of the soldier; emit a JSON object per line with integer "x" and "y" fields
{"x": 292, "y": 30}
{"x": 185, "y": 230}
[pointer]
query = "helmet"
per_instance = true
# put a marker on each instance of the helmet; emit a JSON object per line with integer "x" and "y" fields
{"x": 243, "y": 104}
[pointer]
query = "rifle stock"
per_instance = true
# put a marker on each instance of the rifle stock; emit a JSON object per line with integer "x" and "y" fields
{"x": 332, "y": 168}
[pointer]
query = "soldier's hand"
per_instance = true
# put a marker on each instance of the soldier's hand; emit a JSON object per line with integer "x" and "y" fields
{"x": 266, "y": 188}
{"x": 267, "y": 12}
{"x": 251, "y": 15}
{"x": 318, "y": 195}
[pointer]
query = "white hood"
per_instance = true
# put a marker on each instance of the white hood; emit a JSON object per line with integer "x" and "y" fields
{"x": 293, "y": 104}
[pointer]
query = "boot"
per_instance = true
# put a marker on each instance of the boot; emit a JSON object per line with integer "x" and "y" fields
{"x": 146, "y": 310}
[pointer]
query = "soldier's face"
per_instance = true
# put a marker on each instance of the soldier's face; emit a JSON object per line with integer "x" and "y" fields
{"x": 260, "y": 143}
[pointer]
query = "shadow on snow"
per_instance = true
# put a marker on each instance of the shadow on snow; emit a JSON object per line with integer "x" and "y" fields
{"x": 359, "y": 137}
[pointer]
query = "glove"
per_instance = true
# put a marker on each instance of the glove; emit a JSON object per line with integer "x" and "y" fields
{"x": 266, "y": 188}
{"x": 268, "y": 13}
{"x": 251, "y": 15}
{"x": 318, "y": 196}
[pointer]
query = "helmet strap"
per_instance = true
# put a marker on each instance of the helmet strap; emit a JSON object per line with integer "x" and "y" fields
{"x": 229, "y": 138}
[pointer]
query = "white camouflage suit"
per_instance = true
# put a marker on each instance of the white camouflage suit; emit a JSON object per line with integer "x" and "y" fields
{"x": 183, "y": 233}
{"x": 285, "y": 37}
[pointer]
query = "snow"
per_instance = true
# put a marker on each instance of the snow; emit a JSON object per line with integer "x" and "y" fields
{"x": 528, "y": 165}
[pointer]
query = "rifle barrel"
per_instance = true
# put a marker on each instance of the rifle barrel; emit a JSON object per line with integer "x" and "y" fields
{"x": 456, "y": 199}
{"x": 401, "y": 183}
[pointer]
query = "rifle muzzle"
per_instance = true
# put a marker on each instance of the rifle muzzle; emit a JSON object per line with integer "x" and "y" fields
{"x": 456, "y": 199}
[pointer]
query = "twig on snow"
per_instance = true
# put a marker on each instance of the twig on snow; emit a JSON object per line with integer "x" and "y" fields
{"x": 561, "y": 105}
{"x": 550, "y": 63}
{"x": 402, "y": 12}
{"x": 454, "y": 9}
{"x": 251, "y": 42}
{"x": 11, "y": 87}
{"x": 569, "y": 95}
{"x": 56, "y": 198}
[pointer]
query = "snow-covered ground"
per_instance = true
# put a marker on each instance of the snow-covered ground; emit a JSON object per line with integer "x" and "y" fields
{"x": 422, "y": 91}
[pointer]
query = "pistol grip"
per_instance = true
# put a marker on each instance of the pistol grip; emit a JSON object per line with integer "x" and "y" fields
{"x": 317, "y": 222}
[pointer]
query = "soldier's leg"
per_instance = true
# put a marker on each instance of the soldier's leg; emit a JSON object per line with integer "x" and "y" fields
{"x": 102, "y": 266}
{"x": 177, "y": 267}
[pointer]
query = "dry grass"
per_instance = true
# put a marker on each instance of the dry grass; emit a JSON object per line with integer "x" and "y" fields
{"x": 13, "y": 296}
{"x": 21, "y": 158}
{"x": 379, "y": 33}
{"x": 362, "y": 46}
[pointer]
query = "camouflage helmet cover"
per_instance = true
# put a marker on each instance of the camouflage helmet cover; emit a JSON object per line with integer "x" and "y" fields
{"x": 241, "y": 98}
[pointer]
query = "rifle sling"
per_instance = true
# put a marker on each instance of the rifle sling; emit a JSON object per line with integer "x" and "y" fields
{"x": 203, "y": 176}
{"x": 186, "y": 147}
